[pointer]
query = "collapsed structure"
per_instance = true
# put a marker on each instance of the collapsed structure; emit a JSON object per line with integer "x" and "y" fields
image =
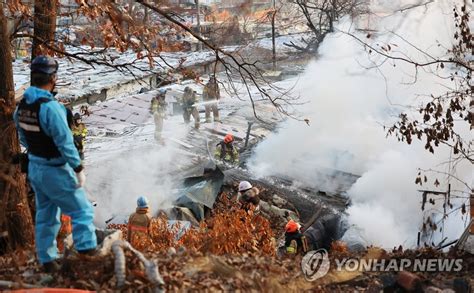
{"x": 121, "y": 118}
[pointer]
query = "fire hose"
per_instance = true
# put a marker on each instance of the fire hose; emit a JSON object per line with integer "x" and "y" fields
{"x": 151, "y": 268}
{"x": 111, "y": 241}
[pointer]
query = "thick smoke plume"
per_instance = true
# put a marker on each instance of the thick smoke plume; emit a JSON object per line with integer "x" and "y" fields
{"x": 351, "y": 94}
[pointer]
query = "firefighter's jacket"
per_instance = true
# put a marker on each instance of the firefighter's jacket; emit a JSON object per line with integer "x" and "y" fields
{"x": 139, "y": 223}
{"x": 188, "y": 100}
{"x": 79, "y": 132}
{"x": 227, "y": 153}
{"x": 249, "y": 198}
{"x": 158, "y": 106}
{"x": 211, "y": 92}
{"x": 320, "y": 235}
{"x": 296, "y": 242}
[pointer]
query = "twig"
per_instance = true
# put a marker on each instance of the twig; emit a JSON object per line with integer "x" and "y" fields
{"x": 407, "y": 60}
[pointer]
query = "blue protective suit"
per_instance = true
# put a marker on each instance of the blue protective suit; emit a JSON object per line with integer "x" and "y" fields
{"x": 54, "y": 182}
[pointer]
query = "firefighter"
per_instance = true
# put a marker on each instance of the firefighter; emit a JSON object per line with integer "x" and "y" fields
{"x": 248, "y": 196}
{"x": 139, "y": 222}
{"x": 188, "y": 101}
{"x": 55, "y": 170}
{"x": 226, "y": 151}
{"x": 295, "y": 241}
{"x": 320, "y": 234}
{"x": 211, "y": 95}
{"x": 158, "y": 109}
{"x": 79, "y": 132}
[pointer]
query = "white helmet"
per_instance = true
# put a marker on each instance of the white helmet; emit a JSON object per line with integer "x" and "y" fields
{"x": 244, "y": 185}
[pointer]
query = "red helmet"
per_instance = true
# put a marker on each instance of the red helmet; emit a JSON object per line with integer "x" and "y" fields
{"x": 228, "y": 138}
{"x": 292, "y": 226}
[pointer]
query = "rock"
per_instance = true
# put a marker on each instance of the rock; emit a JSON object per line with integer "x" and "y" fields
{"x": 432, "y": 289}
{"x": 461, "y": 285}
{"x": 171, "y": 251}
{"x": 181, "y": 250}
{"x": 28, "y": 273}
{"x": 408, "y": 281}
{"x": 277, "y": 200}
{"x": 46, "y": 279}
{"x": 388, "y": 281}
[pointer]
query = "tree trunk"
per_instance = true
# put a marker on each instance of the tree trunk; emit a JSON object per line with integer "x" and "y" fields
{"x": 44, "y": 25}
{"x": 16, "y": 226}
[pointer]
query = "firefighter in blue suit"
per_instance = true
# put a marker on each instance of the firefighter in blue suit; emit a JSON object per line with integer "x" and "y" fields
{"x": 55, "y": 170}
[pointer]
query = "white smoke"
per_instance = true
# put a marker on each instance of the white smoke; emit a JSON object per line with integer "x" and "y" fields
{"x": 136, "y": 169}
{"x": 349, "y": 103}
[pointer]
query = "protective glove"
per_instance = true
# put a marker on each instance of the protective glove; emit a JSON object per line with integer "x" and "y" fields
{"x": 81, "y": 179}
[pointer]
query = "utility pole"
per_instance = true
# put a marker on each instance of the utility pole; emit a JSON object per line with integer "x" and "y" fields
{"x": 273, "y": 36}
{"x": 198, "y": 8}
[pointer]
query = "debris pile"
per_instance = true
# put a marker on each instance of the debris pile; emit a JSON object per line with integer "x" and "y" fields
{"x": 182, "y": 270}
{"x": 229, "y": 230}
{"x": 232, "y": 249}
